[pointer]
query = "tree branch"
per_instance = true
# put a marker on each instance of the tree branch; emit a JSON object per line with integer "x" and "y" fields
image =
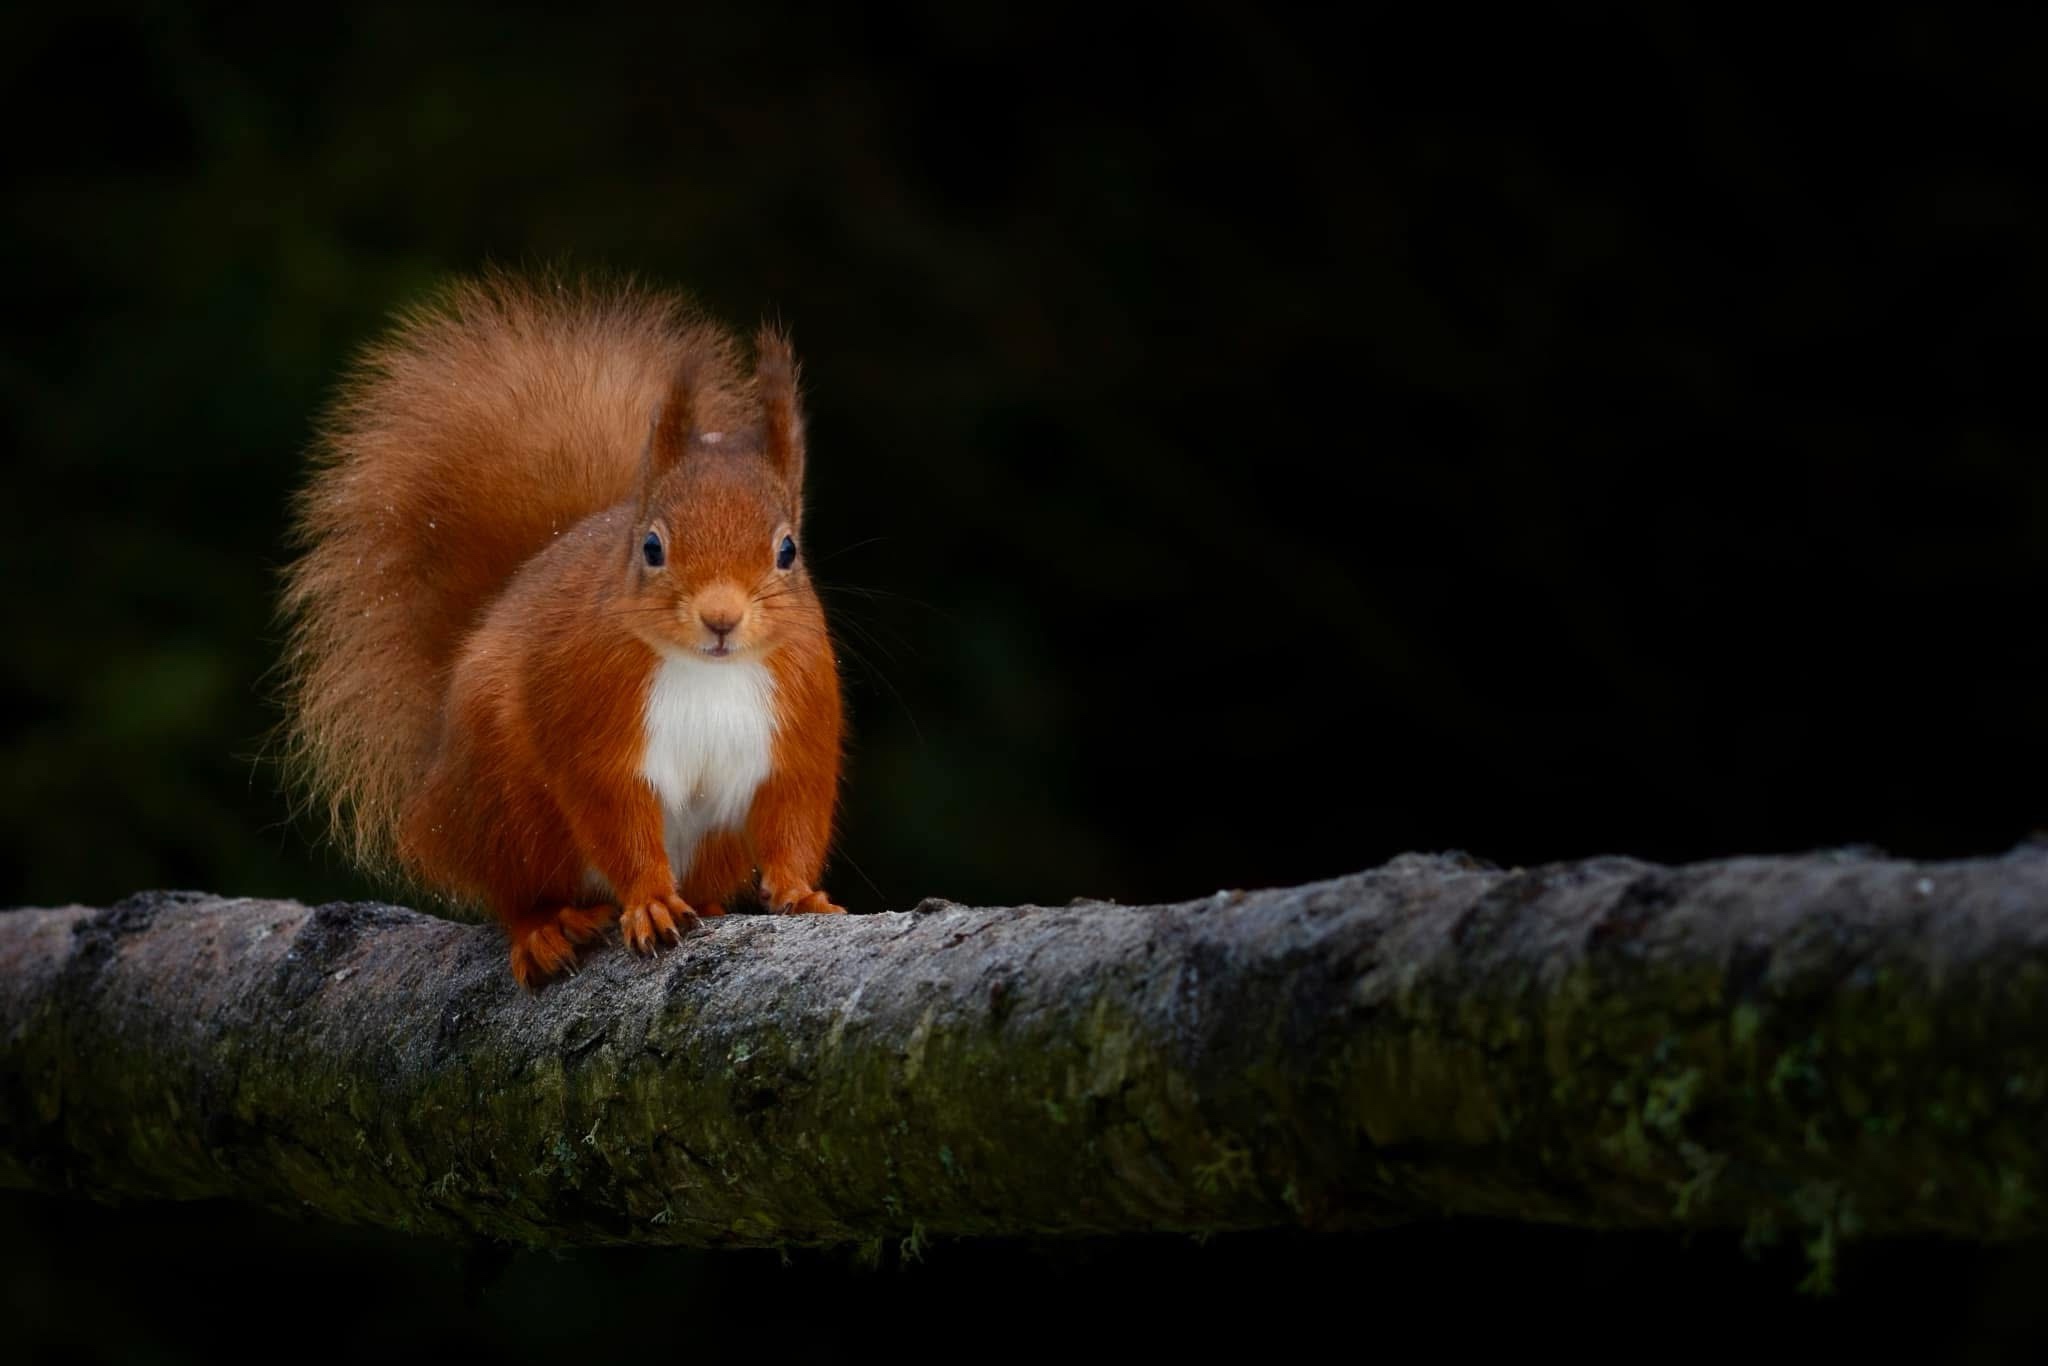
{"x": 1821, "y": 1045}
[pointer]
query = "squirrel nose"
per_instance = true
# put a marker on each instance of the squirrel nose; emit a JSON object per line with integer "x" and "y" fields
{"x": 719, "y": 620}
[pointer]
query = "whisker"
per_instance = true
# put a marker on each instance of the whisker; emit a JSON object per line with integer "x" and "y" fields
{"x": 868, "y": 669}
{"x": 849, "y": 549}
{"x": 855, "y": 590}
{"x": 861, "y": 643}
{"x": 880, "y": 895}
{"x": 868, "y": 636}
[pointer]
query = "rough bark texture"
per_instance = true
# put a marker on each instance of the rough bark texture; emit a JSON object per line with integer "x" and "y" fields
{"x": 1817, "y": 1045}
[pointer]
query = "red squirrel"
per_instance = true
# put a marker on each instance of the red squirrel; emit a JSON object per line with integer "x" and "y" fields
{"x": 554, "y": 647}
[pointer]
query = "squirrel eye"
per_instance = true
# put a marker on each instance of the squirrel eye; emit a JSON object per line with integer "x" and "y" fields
{"x": 785, "y": 554}
{"x": 651, "y": 550}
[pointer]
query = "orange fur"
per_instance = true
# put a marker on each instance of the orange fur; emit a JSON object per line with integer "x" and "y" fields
{"x": 476, "y": 629}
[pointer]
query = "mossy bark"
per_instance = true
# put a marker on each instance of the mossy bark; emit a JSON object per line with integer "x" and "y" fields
{"x": 1813, "y": 1046}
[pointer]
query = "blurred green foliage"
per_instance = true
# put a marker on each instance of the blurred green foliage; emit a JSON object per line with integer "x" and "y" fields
{"x": 1244, "y": 452}
{"x": 1246, "y": 443}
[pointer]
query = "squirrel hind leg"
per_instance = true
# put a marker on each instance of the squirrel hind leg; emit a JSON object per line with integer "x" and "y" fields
{"x": 585, "y": 924}
{"x": 811, "y": 902}
{"x": 546, "y": 940}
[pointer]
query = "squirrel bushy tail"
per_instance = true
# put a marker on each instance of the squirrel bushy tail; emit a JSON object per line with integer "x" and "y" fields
{"x": 487, "y": 423}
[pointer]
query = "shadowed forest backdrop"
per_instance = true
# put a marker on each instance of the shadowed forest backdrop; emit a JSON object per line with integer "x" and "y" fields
{"x": 1244, "y": 448}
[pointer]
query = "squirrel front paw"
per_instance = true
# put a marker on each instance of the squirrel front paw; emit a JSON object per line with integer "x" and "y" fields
{"x": 664, "y": 919}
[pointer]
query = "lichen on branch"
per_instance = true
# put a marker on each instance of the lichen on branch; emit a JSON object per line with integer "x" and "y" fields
{"x": 1815, "y": 1047}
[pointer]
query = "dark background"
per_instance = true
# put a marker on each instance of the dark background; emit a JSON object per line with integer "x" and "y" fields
{"x": 1245, "y": 447}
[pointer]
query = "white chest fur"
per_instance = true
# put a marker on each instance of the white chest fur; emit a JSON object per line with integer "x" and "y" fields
{"x": 710, "y": 724}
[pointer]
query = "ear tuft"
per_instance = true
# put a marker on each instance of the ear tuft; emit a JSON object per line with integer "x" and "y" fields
{"x": 674, "y": 420}
{"x": 782, "y": 423}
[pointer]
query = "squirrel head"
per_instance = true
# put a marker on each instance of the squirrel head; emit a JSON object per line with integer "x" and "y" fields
{"x": 716, "y": 564}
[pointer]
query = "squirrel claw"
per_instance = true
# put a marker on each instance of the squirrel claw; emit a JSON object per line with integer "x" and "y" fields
{"x": 664, "y": 920}
{"x": 806, "y": 901}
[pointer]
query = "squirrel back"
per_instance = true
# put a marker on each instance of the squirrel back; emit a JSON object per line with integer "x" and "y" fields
{"x": 488, "y": 423}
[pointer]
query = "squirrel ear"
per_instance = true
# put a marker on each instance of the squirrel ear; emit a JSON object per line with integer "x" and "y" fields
{"x": 674, "y": 420}
{"x": 782, "y": 422}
